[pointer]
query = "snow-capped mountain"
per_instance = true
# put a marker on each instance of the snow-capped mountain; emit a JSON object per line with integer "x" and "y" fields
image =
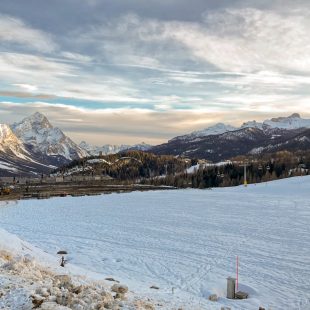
{"x": 106, "y": 149}
{"x": 217, "y": 129}
{"x": 293, "y": 121}
{"x": 140, "y": 147}
{"x": 112, "y": 149}
{"x": 45, "y": 139}
{"x": 290, "y": 133}
{"x": 33, "y": 146}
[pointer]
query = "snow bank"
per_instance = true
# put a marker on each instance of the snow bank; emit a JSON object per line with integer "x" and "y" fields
{"x": 29, "y": 278}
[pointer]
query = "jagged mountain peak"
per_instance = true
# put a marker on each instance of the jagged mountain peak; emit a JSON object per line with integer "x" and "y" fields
{"x": 38, "y": 116}
{"x": 293, "y": 121}
{"x": 284, "y": 118}
{"x": 295, "y": 115}
{"x": 35, "y": 121}
{"x": 38, "y": 132}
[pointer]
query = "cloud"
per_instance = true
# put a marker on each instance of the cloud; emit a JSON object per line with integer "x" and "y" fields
{"x": 57, "y": 78}
{"x": 26, "y": 95}
{"x": 27, "y": 87}
{"x": 76, "y": 57}
{"x": 246, "y": 40}
{"x": 15, "y": 31}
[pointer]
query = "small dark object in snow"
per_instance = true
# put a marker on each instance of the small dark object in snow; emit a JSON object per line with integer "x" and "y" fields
{"x": 241, "y": 295}
{"x": 62, "y": 252}
{"x": 112, "y": 280}
{"x": 154, "y": 287}
{"x": 63, "y": 261}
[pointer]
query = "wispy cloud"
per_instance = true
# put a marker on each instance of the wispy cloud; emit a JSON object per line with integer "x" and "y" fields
{"x": 27, "y": 87}
{"x": 15, "y": 31}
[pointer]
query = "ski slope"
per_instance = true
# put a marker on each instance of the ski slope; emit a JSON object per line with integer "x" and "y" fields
{"x": 184, "y": 240}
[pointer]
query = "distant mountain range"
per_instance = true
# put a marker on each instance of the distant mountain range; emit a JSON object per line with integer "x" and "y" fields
{"x": 112, "y": 149}
{"x": 222, "y": 141}
{"x": 34, "y": 146}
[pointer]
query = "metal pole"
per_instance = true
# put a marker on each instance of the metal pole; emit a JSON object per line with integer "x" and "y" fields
{"x": 245, "y": 180}
{"x": 231, "y": 288}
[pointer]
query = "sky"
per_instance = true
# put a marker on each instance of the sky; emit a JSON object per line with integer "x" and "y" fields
{"x": 127, "y": 71}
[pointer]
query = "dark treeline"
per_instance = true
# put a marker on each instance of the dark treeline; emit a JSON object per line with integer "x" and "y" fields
{"x": 259, "y": 169}
{"x": 130, "y": 165}
{"x": 147, "y": 168}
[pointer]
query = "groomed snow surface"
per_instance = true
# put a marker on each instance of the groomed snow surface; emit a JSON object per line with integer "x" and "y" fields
{"x": 184, "y": 241}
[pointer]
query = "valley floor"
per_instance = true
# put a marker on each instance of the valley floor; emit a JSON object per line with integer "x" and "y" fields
{"x": 185, "y": 242}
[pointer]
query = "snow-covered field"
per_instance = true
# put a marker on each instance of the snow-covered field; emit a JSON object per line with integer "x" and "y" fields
{"x": 184, "y": 241}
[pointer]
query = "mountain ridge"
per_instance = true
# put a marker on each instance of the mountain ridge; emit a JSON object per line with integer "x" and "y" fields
{"x": 108, "y": 149}
{"x": 282, "y": 133}
{"x": 293, "y": 121}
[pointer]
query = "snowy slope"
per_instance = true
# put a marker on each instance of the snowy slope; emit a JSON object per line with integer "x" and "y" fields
{"x": 185, "y": 239}
{"x": 213, "y": 130}
{"x": 37, "y": 131}
{"x": 9, "y": 143}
